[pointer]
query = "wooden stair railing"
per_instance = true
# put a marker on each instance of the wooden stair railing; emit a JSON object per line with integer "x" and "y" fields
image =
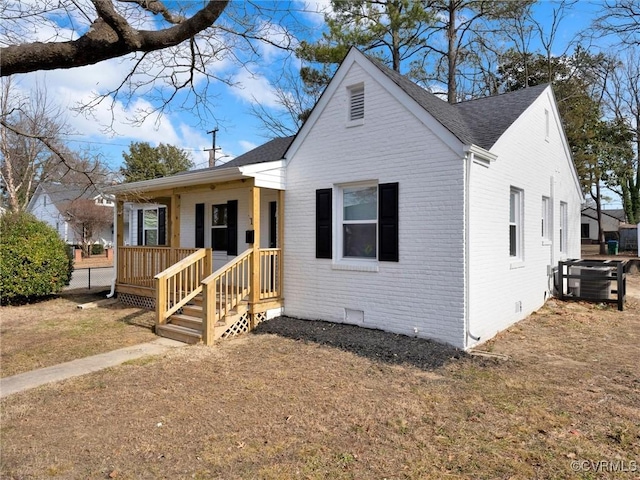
{"x": 223, "y": 291}
{"x": 180, "y": 283}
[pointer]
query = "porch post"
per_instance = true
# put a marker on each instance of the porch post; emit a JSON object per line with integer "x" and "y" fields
{"x": 280, "y": 223}
{"x": 254, "y": 297}
{"x": 174, "y": 221}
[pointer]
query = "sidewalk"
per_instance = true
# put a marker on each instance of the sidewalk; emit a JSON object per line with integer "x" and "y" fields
{"x": 81, "y": 366}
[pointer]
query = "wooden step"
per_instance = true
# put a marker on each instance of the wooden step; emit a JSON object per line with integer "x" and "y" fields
{"x": 192, "y": 310}
{"x": 188, "y": 321}
{"x": 179, "y": 333}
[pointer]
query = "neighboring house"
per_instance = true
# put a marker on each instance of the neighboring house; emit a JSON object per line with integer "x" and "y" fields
{"x": 390, "y": 209}
{"x": 612, "y": 219}
{"x": 50, "y": 203}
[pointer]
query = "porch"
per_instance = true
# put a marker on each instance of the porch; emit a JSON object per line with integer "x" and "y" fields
{"x": 194, "y": 304}
{"x": 199, "y": 293}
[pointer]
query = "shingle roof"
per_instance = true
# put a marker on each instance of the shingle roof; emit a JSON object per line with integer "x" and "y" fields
{"x": 64, "y": 193}
{"x": 617, "y": 213}
{"x": 441, "y": 110}
{"x": 489, "y": 117}
{"x": 481, "y": 121}
{"x": 268, "y": 152}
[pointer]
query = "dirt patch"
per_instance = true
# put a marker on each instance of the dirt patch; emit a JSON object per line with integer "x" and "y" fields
{"x": 53, "y": 331}
{"x": 333, "y": 403}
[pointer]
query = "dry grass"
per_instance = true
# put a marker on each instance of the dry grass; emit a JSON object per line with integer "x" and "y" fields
{"x": 55, "y": 331}
{"x": 331, "y": 406}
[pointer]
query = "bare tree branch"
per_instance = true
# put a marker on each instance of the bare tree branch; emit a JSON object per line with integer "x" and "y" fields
{"x": 110, "y": 36}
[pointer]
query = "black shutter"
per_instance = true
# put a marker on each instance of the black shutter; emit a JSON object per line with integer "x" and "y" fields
{"x": 323, "y": 223}
{"x": 232, "y": 227}
{"x": 199, "y": 225}
{"x": 388, "y": 222}
{"x": 273, "y": 224}
{"x": 162, "y": 226}
{"x": 140, "y": 226}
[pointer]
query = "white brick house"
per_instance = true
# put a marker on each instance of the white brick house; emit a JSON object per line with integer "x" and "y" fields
{"x": 407, "y": 214}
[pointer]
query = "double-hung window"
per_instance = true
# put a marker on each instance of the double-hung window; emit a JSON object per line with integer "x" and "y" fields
{"x": 152, "y": 226}
{"x": 516, "y": 203}
{"x": 563, "y": 227}
{"x": 360, "y": 221}
{"x": 361, "y": 225}
{"x": 546, "y": 219}
{"x": 219, "y": 227}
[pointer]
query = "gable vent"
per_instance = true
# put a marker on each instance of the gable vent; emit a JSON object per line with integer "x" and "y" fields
{"x": 356, "y": 108}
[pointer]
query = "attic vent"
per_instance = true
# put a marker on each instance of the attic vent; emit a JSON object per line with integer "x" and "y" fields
{"x": 356, "y": 107}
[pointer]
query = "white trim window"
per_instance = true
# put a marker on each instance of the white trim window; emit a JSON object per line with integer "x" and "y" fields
{"x": 356, "y": 104}
{"x": 563, "y": 227}
{"x": 516, "y": 224}
{"x": 546, "y": 219}
{"x": 359, "y": 221}
{"x": 150, "y": 226}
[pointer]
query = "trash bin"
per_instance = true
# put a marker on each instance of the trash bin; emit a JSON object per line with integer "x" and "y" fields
{"x": 613, "y": 247}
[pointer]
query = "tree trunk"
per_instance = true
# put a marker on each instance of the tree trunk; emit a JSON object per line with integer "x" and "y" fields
{"x": 451, "y": 50}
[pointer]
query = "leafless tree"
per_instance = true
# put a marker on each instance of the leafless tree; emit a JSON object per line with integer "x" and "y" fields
{"x": 621, "y": 19}
{"x": 294, "y": 103}
{"x": 170, "y": 49}
{"x": 30, "y": 130}
{"x": 87, "y": 219}
{"x": 31, "y": 146}
{"x": 106, "y": 30}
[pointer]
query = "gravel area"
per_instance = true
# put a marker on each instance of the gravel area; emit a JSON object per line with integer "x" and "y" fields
{"x": 372, "y": 344}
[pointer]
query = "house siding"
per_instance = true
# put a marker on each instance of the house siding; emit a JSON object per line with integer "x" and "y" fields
{"x": 188, "y": 203}
{"x": 502, "y": 292}
{"x": 609, "y": 224}
{"x": 50, "y": 215}
{"x": 423, "y": 293}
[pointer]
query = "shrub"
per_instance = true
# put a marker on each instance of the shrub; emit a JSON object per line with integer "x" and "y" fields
{"x": 97, "y": 249}
{"x": 34, "y": 261}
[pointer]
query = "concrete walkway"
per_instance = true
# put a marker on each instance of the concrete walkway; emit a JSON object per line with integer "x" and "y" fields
{"x": 81, "y": 366}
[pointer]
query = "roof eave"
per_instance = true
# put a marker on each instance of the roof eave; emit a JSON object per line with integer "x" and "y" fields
{"x": 182, "y": 180}
{"x": 481, "y": 153}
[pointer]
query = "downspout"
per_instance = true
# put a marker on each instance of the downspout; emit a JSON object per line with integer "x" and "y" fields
{"x": 114, "y": 242}
{"x": 467, "y": 246}
{"x": 552, "y": 268}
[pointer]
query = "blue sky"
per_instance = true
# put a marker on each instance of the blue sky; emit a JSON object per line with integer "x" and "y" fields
{"x": 239, "y": 131}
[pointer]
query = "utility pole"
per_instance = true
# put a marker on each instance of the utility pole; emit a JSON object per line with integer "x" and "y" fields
{"x": 213, "y": 149}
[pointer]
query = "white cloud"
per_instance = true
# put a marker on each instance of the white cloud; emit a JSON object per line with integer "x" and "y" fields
{"x": 314, "y": 11}
{"x": 254, "y": 88}
{"x": 247, "y": 145}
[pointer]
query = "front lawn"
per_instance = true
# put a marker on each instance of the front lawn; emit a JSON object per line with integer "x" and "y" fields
{"x": 317, "y": 401}
{"x": 53, "y": 331}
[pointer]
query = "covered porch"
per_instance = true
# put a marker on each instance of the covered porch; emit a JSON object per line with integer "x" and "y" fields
{"x": 172, "y": 260}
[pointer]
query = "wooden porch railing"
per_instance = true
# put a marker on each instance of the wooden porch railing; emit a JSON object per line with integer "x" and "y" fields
{"x": 138, "y": 266}
{"x": 180, "y": 283}
{"x": 223, "y": 291}
{"x": 270, "y": 270}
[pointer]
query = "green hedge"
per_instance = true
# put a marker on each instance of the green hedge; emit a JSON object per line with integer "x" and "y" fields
{"x": 34, "y": 261}
{"x": 97, "y": 249}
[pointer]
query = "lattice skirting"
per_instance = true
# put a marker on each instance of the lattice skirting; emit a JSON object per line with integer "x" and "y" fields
{"x": 238, "y": 328}
{"x": 137, "y": 301}
{"x": 258, "y": 318}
